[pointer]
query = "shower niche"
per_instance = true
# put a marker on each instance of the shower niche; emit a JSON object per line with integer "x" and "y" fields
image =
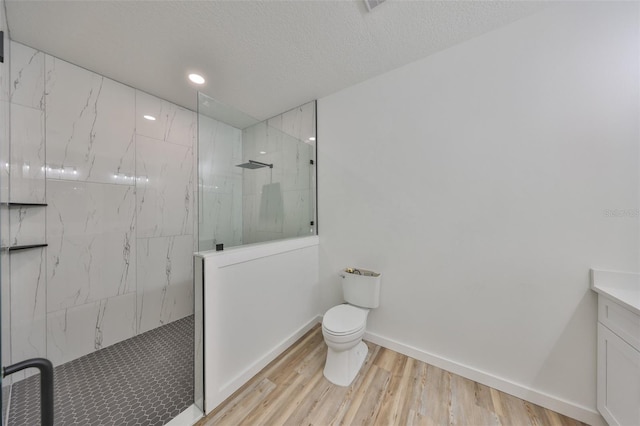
{"x": 256, "y": 179}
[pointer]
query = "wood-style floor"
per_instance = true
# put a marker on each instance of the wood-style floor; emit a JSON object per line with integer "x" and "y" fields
{"x": 391, "y": 389}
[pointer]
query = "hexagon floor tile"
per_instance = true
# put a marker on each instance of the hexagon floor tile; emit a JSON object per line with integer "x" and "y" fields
{"x": 146, "y": 380}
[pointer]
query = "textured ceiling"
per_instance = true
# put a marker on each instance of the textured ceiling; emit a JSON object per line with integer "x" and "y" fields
{"x": 261, "y": 57}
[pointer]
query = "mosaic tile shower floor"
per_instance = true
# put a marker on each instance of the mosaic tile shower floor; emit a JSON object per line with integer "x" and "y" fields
{"x": 146, "y": 380}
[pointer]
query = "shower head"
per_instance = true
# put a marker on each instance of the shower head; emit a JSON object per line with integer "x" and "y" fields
{"x": 254, "y": 165}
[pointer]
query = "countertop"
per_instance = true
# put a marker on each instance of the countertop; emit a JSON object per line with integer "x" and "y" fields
{"x": 621, "y": 287}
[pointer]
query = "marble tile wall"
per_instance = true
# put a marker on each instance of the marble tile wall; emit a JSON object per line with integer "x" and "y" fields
{"x": 279, "y": 202}
{"x": 92, "y": 244}
{"x": 164, "y": 188}
{"x": 91, "y": 217}
{"x": 28, "y": 309}
{"x": 90, "y": 126}
{"x": 106, "y": 322}
{"x": 120, "y": 214}
{"x": 165, "y": 211}
{"x": 26, "y": 169}
{"x": 165, "y": 283}
{"x": 220, "y": 184}
{"x": 27, "y": 156}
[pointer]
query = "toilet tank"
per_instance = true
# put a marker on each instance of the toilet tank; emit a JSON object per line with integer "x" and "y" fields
{"x": 361, "y": 287}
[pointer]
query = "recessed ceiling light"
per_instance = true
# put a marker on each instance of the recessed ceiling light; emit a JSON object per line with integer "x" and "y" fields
{"x": 312, "y": 138}
{"x": 196, "y": 78}
{"x": 263, "y": 152}
{"x": 149, "y": 117}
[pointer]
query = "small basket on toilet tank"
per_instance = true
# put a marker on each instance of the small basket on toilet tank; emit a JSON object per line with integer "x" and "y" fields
{"x": 361, "y": 287}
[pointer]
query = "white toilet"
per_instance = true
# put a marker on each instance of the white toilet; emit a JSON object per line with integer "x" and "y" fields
{"x": 343, "y": 325}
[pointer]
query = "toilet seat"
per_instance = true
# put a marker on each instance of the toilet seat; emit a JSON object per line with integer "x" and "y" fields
{"x": 344, "y": 320}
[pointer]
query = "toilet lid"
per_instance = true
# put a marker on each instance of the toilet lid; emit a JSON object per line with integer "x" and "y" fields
{"x": 344, "y": 319}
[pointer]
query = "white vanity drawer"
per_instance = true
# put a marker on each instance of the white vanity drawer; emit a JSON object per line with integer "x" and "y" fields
{"x": 620, "y": 320}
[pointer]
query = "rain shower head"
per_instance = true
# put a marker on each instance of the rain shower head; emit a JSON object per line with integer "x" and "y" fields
{"x": 254, "y": 165}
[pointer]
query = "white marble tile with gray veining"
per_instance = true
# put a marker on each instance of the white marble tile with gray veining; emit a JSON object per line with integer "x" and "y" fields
{"x": 170, "y": 122}
{"x": 220, "y": 184}
{"x": 298, "y": 214}
{"x": 5, "y": 235}
{"x": 296, "y": 165}
{"x": 78, "y": 331}
{"x": 4, "y": 151}
{"x": 222, "y": 219}
{"x": 260, "y": 143}
{"x": 27, "y": 225}
{"x": 261, "y": 140}
{"x": 299, "y": 122}
{"x": 5, "y": 70}
{"x": 91, "y": 237}
{"x": 27, "y": 76}
{"x": 164, "y": 188}
{"x": 165, "y": 280}
{"x": 28, "y": 306}
{"x": 254, "y": 180}
{"x": 27, "y": 164}
{"x": 249, "y": 219}
{"x": 90, "y": 125}
{"x": 219, "y": 149}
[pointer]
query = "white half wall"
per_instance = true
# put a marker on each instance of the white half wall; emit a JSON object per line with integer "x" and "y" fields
{"x": 484, "y": 182}
{"x": 258, "y": 300}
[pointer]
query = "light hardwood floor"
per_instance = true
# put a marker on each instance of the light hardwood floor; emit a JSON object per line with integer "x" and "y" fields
{"x": 391, "y": 389}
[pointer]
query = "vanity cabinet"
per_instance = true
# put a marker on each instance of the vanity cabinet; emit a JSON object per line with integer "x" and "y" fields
{"x": 618, "y": 363}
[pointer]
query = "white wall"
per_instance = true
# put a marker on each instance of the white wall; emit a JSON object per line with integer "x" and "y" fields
{"x": 259, "y": 300}
{"x": 478, "y": 181}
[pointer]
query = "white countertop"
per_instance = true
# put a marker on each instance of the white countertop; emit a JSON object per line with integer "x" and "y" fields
{"x": 621, "y": 287}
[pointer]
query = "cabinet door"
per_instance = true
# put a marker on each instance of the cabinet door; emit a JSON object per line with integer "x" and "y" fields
{"x": 618, "y": 379}
{"x": 620, "y": 320}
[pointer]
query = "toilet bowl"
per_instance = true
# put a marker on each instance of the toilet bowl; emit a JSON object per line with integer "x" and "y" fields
{"x": 343, "y": 327}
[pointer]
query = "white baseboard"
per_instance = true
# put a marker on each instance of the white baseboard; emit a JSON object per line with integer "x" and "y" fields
{"x": 561, "y": 406}
{"x": 189, "y": 417}
{"x": 236, "y": 383}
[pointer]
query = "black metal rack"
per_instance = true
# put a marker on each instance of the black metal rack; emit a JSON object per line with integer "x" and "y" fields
{"x": 12, "y": 204}
{"x": 24, "y": 247}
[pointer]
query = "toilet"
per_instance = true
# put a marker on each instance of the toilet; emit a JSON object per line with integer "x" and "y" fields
{"x": 343, "y": 326}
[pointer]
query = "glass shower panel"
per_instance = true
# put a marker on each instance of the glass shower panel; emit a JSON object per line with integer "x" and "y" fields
{"x": 220, "y": 184}
{"x": 277, "y": 200}
{"x": 219, "y": 180}
{"x": 256, "y": 180}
